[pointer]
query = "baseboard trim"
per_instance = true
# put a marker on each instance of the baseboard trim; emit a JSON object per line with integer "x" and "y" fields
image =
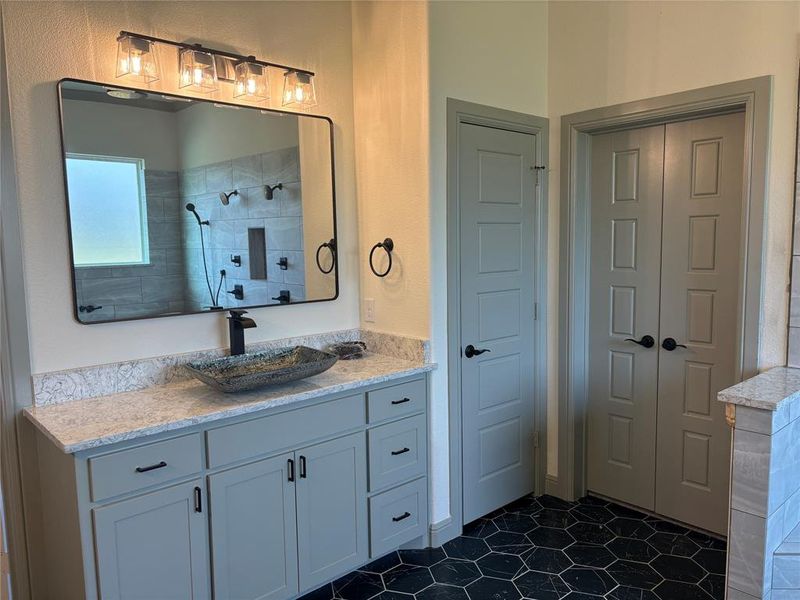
{"x": 444, "y": 531}
{"x": 552, "y": 487}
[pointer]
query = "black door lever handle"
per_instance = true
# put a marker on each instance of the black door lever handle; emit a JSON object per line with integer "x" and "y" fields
{"x": 669, "y": 344}
{"x": 471, "y": 351}
{"x": 647, "y": 341}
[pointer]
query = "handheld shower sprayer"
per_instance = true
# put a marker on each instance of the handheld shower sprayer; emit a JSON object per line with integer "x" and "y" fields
{"x": 190, "y": 208}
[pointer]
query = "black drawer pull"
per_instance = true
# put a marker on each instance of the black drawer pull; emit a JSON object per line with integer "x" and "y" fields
{"x": 198, "y": 500}
{"x": 160, "y": 465}
{"x": 398, "y": 452}
{"x": 403, "y": 401}
{"x": 405, "y": 515}
{"x": 302, "y": 467}
{"x": 291, "y": 470}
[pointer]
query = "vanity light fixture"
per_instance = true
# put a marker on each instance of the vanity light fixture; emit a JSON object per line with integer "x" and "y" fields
{"x": 198, "y": 71}
{"x": 201, "y": 69}
{"x": 252, "y": 82}
{"x": 298, "y": 90}
{"x": 137, "y": 59}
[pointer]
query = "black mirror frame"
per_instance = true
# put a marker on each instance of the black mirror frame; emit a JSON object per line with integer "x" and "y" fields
{"x": 75, "y": 310}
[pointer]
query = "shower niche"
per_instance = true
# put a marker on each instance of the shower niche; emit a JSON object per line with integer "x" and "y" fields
{"x": 183, "y": 205}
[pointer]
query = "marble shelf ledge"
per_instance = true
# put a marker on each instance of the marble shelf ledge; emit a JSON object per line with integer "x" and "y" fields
{"x": 772, "y": 390}
{"x": 94, "y": 422}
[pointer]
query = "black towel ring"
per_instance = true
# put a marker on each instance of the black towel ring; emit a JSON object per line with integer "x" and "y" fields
{"x": 387, "y": 245}
{"x": 331, "y": 245}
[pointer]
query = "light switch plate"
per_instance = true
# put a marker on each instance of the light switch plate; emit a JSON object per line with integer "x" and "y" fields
{"x": 369, "y": 310}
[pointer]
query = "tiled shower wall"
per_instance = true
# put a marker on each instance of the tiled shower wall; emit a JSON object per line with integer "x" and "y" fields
{"x": 126, "y": 292}
{"x": 227, "y": 235}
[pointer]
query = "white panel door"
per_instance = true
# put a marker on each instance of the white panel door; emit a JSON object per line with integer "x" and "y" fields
{"x": 704, "y": 161}
{"x": 626, "y": 192}
{"x": 497, "y": 193}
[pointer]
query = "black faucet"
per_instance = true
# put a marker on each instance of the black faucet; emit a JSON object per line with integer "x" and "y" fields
{"x": 236, "y": 326}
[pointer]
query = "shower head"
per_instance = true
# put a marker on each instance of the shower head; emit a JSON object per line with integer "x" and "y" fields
{"x": 190, "y": 208}
{"x": 269, "y": 190}
{"x": 226, "y": 198}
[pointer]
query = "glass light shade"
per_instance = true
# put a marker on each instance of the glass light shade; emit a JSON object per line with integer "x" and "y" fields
{"x": 298, "y": 90}
{"x": 198, "y": 71}
{"x": 251, "y": 82}
{"x": 137, "y": 59}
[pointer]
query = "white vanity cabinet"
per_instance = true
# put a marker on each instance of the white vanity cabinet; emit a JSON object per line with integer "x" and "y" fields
{"x": 266, "y": 506}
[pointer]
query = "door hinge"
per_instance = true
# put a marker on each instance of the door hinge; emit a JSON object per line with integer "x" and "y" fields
{"x": 535, "y": 439}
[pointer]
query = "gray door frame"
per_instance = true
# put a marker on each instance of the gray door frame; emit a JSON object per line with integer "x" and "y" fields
{"x": 753, "y": 96}
{"x": 458, "y": 112}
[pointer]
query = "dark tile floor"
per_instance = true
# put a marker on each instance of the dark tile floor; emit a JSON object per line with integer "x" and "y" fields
{"x": 547, "y": 549}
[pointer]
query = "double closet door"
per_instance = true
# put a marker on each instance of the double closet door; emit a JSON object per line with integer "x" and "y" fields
{"x": 666, "y": 212}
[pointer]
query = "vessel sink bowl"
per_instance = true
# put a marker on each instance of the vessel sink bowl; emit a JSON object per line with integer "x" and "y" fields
{"x": 260, "y": 369}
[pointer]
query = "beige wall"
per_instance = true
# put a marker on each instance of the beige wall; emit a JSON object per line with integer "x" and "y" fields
{"x": 604, "y": 53}
{"x": 390, "y": 63}
{"x": 492, "y": 53}
{"x": 48, "y": 41}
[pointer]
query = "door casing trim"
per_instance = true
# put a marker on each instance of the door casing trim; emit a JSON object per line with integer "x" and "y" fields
{"x": 753, "y": 97}
{"x": 458, "y": 112}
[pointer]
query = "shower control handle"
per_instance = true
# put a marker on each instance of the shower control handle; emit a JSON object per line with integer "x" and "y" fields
{"x": 471, "y": 351}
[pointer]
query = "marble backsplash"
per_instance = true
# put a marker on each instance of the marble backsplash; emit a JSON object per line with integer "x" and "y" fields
{"x": 88, "y": 382}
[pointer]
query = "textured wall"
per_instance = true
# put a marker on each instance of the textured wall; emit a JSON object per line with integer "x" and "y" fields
{"x": 389, "y": 68}
{"x": 50, "y": 40}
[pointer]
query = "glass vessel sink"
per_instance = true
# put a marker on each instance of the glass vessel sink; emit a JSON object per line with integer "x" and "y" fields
{"x": 270, "y": 367}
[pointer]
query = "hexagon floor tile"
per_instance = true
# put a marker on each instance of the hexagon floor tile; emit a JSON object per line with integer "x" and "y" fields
{"x": 548, "y": 549}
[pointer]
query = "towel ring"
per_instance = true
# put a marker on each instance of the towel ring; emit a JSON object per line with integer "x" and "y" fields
{"x": 331, "y": 245}
{"x": 388, "y": 246}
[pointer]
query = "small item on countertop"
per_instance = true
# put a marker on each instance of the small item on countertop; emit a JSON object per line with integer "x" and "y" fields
{"x": 347, "y": 350}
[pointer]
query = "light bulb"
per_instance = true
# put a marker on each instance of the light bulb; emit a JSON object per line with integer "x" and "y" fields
{"x": 198, "y": 70}
{"x": 137, "y": 59}
{"x": 298, "y": 90}
{"x": 136, "y": 64}
{"x": 251, "y": 81}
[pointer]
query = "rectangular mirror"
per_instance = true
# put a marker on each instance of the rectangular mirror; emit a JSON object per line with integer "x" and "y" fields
{"x": 180, "y": 205}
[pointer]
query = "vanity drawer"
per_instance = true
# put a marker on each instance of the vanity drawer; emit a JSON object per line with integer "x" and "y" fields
{"x": 284, "y": 430}
{"x": 397, "y": 452}
{"x": 145, "y": 466}
{"x": 398, "y": 516}
{"x": 397, "y": 400}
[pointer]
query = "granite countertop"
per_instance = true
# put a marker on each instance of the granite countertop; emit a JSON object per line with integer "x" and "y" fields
{"x": 94, "y": 422}
{"x": 771, "y": 390}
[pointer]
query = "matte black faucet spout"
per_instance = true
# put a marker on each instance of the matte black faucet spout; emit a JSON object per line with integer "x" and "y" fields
{"x": 236, "y": 326}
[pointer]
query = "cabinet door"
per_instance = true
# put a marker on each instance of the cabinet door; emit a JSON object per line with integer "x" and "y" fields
{"x": 154, "y": 546}
{"x": 331, "y": 509}
{"x": 253, "y": 531}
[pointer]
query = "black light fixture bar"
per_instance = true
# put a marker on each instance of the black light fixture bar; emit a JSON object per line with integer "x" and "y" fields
{"x": 230, "y": 55}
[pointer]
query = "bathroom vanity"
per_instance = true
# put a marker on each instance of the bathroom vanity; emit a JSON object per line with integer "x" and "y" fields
{"x": 180, "y": 491}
